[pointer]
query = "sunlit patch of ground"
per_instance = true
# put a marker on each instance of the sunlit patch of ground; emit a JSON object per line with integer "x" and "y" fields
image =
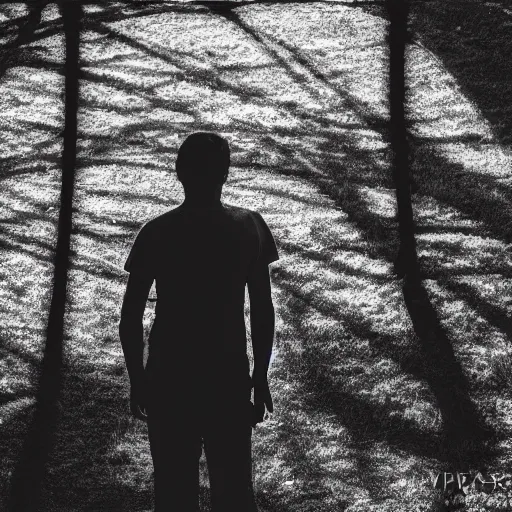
{"x": 299, "y": 91}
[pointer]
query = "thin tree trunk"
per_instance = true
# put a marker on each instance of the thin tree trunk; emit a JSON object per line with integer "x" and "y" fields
{"x": 407, "y": 261}
{"x": 29, "y": 474}
{"x": 463, "y": 425}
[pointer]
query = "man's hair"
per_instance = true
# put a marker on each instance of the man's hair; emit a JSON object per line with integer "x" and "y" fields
{"x": 203, "y": 160}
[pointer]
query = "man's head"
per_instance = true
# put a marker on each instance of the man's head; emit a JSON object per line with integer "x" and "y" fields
{"x": 203, "y": 161}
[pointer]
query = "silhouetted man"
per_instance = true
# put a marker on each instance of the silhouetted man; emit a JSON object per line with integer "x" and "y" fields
{"x": 196, "y": 388}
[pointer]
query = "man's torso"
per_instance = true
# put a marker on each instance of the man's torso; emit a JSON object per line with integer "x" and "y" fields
{"x": 202, "y": 259}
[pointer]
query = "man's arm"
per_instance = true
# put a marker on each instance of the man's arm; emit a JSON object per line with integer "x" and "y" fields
{"x": 131, "y": 329}
{"x": 262, "y": 320}
{"x": 262, "y": 335}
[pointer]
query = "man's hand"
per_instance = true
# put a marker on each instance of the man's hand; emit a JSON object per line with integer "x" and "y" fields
{"x": 262, "y": 398}
{"x": 131, "y": 333}
{"x": 138, "y": 400}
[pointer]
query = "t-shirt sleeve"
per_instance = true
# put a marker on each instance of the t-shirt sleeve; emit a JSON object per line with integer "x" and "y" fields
{"x": 267, "y": 249}
{"x": 141, "y": 256}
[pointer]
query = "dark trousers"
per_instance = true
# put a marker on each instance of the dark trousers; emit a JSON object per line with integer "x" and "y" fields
{"x": 178, "y": 431}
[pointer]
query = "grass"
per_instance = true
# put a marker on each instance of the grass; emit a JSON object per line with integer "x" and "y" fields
{"x": 299, "y": 90}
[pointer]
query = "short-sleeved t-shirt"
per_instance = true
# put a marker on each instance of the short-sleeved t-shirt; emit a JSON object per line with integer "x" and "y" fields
{"x": 201, "y": 259}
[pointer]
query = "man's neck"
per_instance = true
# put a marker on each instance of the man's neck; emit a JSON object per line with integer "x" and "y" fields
{"x": 202, "y": 203}
{"x": 203, "y": 199}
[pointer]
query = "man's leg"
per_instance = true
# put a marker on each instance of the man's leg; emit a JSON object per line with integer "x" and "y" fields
{"x": 175, "y": 443}
{"x": 227, "y": 446}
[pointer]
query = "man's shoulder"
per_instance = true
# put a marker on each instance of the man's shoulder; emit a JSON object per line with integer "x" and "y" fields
{"x": 237, "y": 214}
{"x": 161, "y": 220}
{"x": 238, "y": 211}
{"x": 249, "y": 219}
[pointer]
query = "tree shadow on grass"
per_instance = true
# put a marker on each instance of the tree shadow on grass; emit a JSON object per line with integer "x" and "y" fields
{"x": 176, "y": 59}
{"x": 465, "y": 429}
{"x": 91, "y": 452}
{"x": 31, "y": 469}
{"x": 17, "y": 414}
{"x": 435, "y": 364}
{"x": 26, "y": 27}
{"x": 366, "y": 422}
{"x": 472, "y": 39}
{"x": 497, "y": 316}
{"x": 25, "y": 56}
{"x": 478, "y": 196}
{"x": 108, "y": 13}
{"x": 17, "y": 401}
{"x": 7, "y": 173}
{"x": 273, "y": 48}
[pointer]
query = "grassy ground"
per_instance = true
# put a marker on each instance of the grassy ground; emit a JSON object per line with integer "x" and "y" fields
{"x": 299, "y": 90}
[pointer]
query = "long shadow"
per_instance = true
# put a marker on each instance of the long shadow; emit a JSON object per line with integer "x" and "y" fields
{"x": 91, "y": 446}
{"x": 464, "y": 427}
{"x": 27, "y": 480}
{"x": 16, "y": 403}
{"x": 472, "y": 39}
{"x": 435, "y": 364}
{"x": 367, "y": 423}
{"x": 480, "y": 197}
{"x": 6, "y": 173}
{"x": 496, "y": 316}
{"x": 447, "y": 382}
{"x": 27, "y": 27}
{"x": 130, "y": 196}
{"x": 270, "y": 45}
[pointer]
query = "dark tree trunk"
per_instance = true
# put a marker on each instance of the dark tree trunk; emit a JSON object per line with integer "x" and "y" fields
{"x": 465, "y": 431}
{"x": 30, "y": 472}
{"x": 407, "y": 263}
